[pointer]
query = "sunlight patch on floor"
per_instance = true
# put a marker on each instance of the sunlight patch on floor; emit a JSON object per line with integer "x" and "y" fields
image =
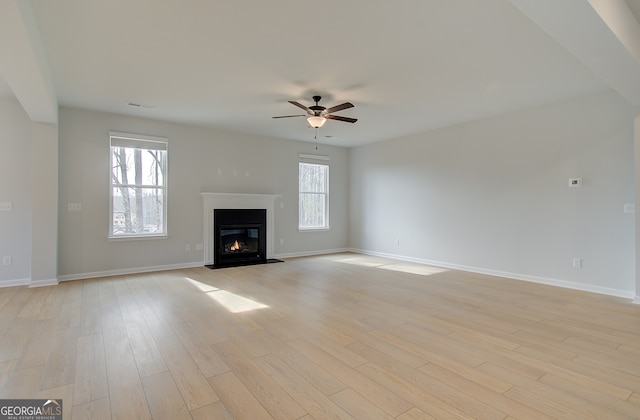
{"x": 361, "y": 261}
{"x": 232, "y": 302}
{"x": 423, "y": 270}
{"x": 235, "y": 303}
{"x": 202, "y": 286}
{"x": 405, "y": 267}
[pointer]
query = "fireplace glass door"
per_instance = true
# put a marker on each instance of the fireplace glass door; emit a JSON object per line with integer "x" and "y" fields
{"x": 239, "y": 240}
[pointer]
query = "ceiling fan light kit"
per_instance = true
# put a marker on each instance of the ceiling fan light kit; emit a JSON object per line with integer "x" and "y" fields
{"x": 316, "y": 122}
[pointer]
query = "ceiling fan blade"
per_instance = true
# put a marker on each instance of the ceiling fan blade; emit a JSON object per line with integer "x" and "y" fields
{"x": 289, "y": 116}
{"x": 339, "y": 107}
{"x": 299, "y": 105}
{"x": 339, "y": 118}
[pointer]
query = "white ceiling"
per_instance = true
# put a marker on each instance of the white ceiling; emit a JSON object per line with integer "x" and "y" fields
{"x": 408, "y": 66}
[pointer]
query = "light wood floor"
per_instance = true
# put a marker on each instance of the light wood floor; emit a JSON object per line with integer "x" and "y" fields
{"x": 338, "y": 336}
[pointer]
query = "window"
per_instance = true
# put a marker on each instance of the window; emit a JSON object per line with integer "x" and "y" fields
{"x": 138, "y": 186}
{"x": 313, "y": 206}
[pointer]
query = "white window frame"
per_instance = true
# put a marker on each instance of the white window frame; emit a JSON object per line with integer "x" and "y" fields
{"x": 314, "y": 160}
{"x": 144, "y": 142}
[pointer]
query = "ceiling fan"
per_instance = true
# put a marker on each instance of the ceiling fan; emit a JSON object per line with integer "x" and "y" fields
{"x": 317, "y": 115}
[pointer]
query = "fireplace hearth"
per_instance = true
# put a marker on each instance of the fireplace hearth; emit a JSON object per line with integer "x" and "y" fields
{"x": 240, "y": 237}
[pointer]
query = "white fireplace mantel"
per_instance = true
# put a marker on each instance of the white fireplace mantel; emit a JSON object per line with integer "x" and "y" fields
{"x": 214, "y": 201}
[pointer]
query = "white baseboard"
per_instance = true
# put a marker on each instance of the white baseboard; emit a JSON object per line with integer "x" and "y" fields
{"x": 14, "y": 282}
{"x": 311, "y": 253}
{"x": 125, "y": 271}
{"x": 515, "y": 276}
{"x": 636, "y": 300}
{"x": 43, "y": 282}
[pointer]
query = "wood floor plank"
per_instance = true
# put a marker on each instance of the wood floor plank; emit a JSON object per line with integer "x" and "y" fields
{"x": 64, "y": 393}
{"x": 91, "y": 374}
{"x": 215, "y": 411}
{"x": 425, "y": 349}
{"x": 23, "y": 383}
{"x": 204, "y": 355}
{"x": 107, "y": 293}
{"x": 33, "y": 306}
{"x": 91, "y": 317}
{"x": 558, "y": 404}
{"x": 164, "y": 398}
{"x": 318, "y": 377}
{"x": 240, "y": 402}
{"x": 114, "y": 330}
{"x": 416, "y": 395}
{"x": 310, "y": 398}
{"x": 60, "y": 367}
{"x": 272, "y": 397}
{"x": 145, "y": 349}
{"x": 157, "y": 324}
{"x": 6, "y": 371}
{"x": 415, "y": 414}
{"x": 488, "y": 396}
{"x": 6, "y": 295}
{"x": 126, "y": 394}
{"x": 595, "y": 396}
{"x": 36, "y": 348}
{"x": 191, "y": 382}
{"x": 357, "y": 406}
{"x": 387, "y": 400}
{"x": 69, "y": 315}
{"x": 13, "y": 307}
{"x": 14, "y": 339}
{"x": 95, "y": 410}
{"x": 211, "y": 328}
{"x": 53, "y": 305}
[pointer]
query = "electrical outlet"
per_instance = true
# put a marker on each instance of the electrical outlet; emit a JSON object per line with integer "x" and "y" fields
{"x": 187, "y": 248}
{"x": 629, "y": 208}
{"x": 74, "y": 207}
{"x": 6, "y": 206}
{"x": 199, "y": 247}
{"x": 6, "y": 260}
{"x": 577, "y": 262}
{"x": 281, "y": 241}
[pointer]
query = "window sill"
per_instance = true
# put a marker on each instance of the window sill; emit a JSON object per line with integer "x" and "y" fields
{"x": 136, "y": 237}
{"x": 314, "y": 229}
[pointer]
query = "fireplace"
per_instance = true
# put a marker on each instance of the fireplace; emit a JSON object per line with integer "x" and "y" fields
{"x": 212, "y": 201}
{"x": 240, "y": 237}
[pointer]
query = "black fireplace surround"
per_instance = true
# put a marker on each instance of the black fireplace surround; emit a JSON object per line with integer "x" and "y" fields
{"x": 240, "y": 237}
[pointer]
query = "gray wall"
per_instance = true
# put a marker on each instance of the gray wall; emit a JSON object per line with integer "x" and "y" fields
{"x": 195, "y": 156}
{"x": 15, "y": 188}
{"x": 492, "y": 195}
